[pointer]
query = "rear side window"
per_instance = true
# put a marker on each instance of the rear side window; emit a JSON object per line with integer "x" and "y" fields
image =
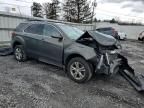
{"x": 20, "y": 27}
{"x": 35, "y": 29}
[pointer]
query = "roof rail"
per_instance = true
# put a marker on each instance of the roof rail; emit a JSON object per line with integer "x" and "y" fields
{"x": 35, "y": 20}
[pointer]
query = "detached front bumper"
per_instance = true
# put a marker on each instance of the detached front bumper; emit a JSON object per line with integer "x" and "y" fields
{"x": 121, "y": 65}
{"x": 127, "y": 72}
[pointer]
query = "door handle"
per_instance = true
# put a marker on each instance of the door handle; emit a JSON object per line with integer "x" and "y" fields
{"x": 42, "y": 39}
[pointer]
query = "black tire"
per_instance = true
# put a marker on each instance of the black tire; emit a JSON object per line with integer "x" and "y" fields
{"x": 87, "y": 74}
{"x": 20, "y": 49}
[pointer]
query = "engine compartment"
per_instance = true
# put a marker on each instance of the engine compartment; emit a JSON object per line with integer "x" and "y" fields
{"x": 91, "y": 42}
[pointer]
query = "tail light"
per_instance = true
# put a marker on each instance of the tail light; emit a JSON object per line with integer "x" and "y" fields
{"x": 13, "y": 34}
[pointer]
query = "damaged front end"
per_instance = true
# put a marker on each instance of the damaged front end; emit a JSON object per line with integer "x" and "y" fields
{"x": 106, "y": 48}
{"x": 127, "y": 72}
{"x": 109, "y": 60}
{"x": 108, "y": 64}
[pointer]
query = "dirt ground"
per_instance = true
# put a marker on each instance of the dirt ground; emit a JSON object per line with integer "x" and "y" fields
{"x": 35, "y": 84}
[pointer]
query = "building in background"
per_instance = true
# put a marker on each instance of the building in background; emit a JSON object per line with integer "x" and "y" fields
{"x": 21, "y": 7}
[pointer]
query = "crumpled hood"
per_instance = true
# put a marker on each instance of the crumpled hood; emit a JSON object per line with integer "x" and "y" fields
{"x": 102, "y": 39}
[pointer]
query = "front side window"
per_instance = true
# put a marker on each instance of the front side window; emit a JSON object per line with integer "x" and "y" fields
{"x": 51, "y": 31}
{"x": 35, "y": 29}
{"x": 72, "y": 32}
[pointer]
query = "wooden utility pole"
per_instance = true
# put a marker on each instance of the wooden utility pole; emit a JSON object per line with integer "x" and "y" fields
{"x": 94, "y": 5}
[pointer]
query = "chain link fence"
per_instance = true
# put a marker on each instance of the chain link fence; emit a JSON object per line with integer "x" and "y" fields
{"x": 8, "y": 23}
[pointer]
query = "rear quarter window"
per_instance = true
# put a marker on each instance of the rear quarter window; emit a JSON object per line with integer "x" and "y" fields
{"x": 20, "y": 27}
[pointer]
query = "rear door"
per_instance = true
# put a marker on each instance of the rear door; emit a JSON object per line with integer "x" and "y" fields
{"x": 52, "y": 45}
{"x": 33, "y": 36}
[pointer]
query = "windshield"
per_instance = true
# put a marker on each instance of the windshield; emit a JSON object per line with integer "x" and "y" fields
{"x": 71, "y": 32}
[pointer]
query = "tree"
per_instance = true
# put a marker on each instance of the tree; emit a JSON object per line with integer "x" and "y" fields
{"x": 46, "y": 9}
{"x": 67, "y": 7}
{"x": 51, "y": 10}
{"x": 37, "y": 10}
{"x": 77, "y": 11}
{"x": 95, "y": 20}
{"x": 113, "y": 21}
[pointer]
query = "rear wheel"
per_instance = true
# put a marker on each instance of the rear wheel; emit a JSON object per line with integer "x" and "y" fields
{"x": 19, "y": 53}
{"x": 79, "y": 70}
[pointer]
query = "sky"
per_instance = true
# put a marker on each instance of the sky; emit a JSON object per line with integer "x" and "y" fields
{"x": 124, "y": 10}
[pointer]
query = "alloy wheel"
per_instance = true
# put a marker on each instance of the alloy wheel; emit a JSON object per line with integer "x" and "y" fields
{"x": 18, "y": 54}
{"x": 77, "y": 70}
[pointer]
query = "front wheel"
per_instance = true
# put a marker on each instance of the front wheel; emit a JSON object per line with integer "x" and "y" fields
{"x": 79, "y": 70}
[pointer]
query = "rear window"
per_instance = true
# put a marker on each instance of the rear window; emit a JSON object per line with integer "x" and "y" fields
{"x": 35, "y": 29}
{"x": 20, "y": 27}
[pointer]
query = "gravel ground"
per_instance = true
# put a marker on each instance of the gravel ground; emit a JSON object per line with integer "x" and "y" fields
{"x": 34, "y": 84}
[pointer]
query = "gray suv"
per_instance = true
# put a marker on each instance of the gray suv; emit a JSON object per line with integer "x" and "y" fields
{"x": 79, "y": 53}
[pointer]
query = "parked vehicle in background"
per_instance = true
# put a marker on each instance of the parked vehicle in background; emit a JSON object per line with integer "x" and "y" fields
{"x": 109, "y": 31}
{"x": 122, "y": 35}
{"x": 80, "y": 53}
{"x": 141, "y": 36}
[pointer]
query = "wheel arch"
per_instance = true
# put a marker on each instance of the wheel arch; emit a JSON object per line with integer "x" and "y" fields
{"x": 68, "y": 58}
{"x": 90, "y": 66}
{"x": 18, "y": 41}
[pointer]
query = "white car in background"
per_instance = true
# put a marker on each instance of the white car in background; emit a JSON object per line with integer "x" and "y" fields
{"x": 141, "y": 36}
{"x": 122, "y": 35}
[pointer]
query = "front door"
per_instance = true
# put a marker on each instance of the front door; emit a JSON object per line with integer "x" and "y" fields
{"x": 51, "y": 47}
